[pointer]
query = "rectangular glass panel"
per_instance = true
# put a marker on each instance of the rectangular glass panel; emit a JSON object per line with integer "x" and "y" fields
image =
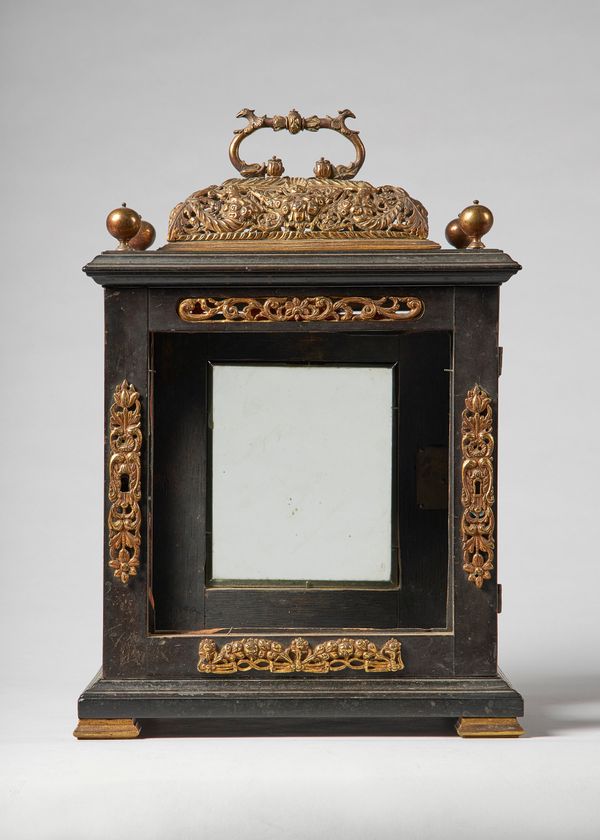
{"x": 302, "y": 473}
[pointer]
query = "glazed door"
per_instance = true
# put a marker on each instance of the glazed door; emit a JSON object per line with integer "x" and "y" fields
{"x": 299, "y": 480}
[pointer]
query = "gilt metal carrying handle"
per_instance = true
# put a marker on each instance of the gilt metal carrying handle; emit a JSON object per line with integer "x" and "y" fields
{"x": 295, "y": 123}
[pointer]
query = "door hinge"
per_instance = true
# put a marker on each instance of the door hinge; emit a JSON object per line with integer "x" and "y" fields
{"x": 499, "y": 599}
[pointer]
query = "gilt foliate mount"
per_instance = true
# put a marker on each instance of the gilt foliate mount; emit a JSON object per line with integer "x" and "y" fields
{"x": 124, "y": 482}
{"x": 478, "y": 522}
{"x": 299, "y": 656}
{"x": 320, "y": 308}
{"x": 264, "y": 207}
{"x": 287, "y": 209}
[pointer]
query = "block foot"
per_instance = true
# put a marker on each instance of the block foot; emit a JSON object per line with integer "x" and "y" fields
{"x": 484, "y": 727}
{"x": 98, "y": 729}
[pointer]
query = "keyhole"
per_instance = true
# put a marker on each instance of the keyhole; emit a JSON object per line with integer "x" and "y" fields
{"x": 477, "y": 484}
{"x": 124, "y": 483}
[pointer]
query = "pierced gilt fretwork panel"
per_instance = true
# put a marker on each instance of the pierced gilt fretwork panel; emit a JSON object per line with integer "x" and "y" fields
{"x": 297, "y": 208}
{"x": 301, "y": 309}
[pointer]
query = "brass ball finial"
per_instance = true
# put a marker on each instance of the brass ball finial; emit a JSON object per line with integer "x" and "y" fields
{"x": 476, "y": 220}
{"x": 455, "y": 235}
{"x": 144, "y": 237}
{"x": 123, "y": 223}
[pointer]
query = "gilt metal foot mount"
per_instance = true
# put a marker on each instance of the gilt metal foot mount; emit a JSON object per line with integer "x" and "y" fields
{"x": 106, "y": 728}
{"x": 483, "y": 727}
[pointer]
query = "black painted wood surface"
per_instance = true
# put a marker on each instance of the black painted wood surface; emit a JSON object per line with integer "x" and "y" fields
{"x": 320, "y": 701}
{"x": 446, "y": 267}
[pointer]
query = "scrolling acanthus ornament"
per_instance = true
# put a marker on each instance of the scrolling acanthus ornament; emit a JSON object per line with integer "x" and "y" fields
{"x": 300, "y": 309}
{"x": 269, "y": 655}
{"x": 124, "y": 482}
{"x": 478, "y": 487}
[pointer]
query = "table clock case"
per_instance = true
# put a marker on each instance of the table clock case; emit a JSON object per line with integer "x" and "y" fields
{"x": 323, "y": 271}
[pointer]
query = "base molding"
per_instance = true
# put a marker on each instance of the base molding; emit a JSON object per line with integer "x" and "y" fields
{"x": 106, "y": 728}
{"x": 487, "y": 706}
{"x": 489, "y": 727}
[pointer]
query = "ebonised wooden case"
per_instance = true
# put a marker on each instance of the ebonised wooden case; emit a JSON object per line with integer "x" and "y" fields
{"x": 160, "y": 606}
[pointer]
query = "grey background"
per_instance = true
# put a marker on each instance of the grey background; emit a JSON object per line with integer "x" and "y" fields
{"x": 133, "y": 101}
